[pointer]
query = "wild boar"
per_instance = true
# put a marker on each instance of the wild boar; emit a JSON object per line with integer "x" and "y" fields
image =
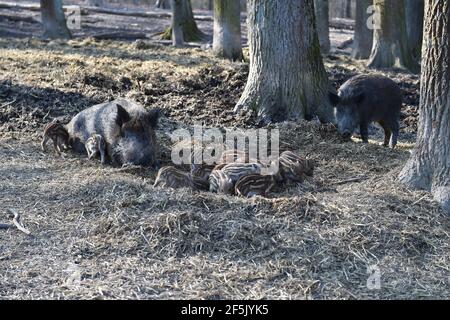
{"x": 127, "y": 128}
{"x": 368, "y": 98}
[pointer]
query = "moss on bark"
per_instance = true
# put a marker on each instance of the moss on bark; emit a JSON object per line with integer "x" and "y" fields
{"x": 190, "y": 30}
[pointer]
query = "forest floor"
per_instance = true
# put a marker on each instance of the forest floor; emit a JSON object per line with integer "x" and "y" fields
{"x": 103, "y": 232}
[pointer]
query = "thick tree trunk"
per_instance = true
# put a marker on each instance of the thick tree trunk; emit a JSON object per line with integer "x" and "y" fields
{"x": 414, "y": 25}
{"x": 187, "y": 22}
{"x": 227, "y": 29}
{"x": 363, "y": 39}
{"x": 177, "y": 26}
{"x": 429, "y": 166}
{"x": 53, "y": 19}
{"x": 287, "y": 78}
{"x": 390, "y": 42}
{"x": 322, "y": 24}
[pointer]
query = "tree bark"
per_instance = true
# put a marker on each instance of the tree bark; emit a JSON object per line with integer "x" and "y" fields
{"x": 177, "y": 26}
{"x": 53, "y": 19}
{"x": 96, "y": 3}
{"x": 390, "y": 42}
{"x": 414, "y": 10}
{"x": 287, "y": 78}
{"x": 429, "y": 166}
{"x": 363, "y": 39}
{"x": 346, "y": 9}
{"x": 227, "y": 29}
{"x": 322, "y": 24}
{"x": 162, "y": 4}
{"x": 187, "y": 22}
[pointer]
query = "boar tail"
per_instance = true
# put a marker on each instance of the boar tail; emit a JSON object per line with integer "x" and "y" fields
{"x": 122, "y": 116}
{"x": 153, "y": 116}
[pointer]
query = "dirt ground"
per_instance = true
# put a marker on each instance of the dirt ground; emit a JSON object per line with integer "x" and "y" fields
{"x": 106, "y": 233}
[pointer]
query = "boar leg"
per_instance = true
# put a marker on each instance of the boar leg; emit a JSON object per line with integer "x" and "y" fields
{"x": 387, "y": 133}
{"x": 89, "y": 153}
{"x": 391, "y": 129}
{"x": 394, "y": 137}
{"x": 44, "y": 141}
{"x": 61, "y": 145}
{"x": 364, "y": 130}
{"x": 102, "y": 155}
{"x": 56, "y": 146}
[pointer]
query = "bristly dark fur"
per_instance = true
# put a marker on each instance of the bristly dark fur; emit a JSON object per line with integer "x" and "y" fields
{"x": 122, "y": 116}
{"x": 128, "y": 130}
{"x": 153, "y": 117}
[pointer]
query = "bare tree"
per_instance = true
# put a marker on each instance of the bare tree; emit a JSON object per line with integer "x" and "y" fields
{"x": 227, "y": 29}
{"x": 162, "y": 4}
{"x": 363, "y": 39}
{"x": 177, "y": 26}
{"x": 53, "y": 19}
{"x": 390, "y": 42}
{"x": 429, "y": 166}
{"x": 414, "y": 25}
{"x": 185, "y": 18}
{"x": 287, "y": 78}
{"x": 346, "y": 8}
{"x": 323, "y": 24}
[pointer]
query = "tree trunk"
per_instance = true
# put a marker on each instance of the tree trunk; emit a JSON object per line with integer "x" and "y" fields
{"x": 177, "y": 19}
{"x": 187, "y": 22}
{"x": 53, "y": 19}
{"x": 348, "y": 9}
{"x": 95, "y": 3}
{"x": 429, "y": 166}
{"x": 287, "y": 78}
{"x": 227, "y": 29}
{"x": 322, "y": 24}
{"x": 390, "y": 42}
{"x": 363, "y": 39}
{"x": 414, "y": 25}
{"x": 162, "y": 4}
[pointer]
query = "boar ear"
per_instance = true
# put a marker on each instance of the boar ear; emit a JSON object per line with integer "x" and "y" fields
{"x": 122, "y": 115}
{"x": 153, "y": 116}
{"x": 334, "y": 98}
{"x": 359, "y": 97}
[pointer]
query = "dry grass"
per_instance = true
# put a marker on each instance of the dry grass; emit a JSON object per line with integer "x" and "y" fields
{"x": 102, "y": 232}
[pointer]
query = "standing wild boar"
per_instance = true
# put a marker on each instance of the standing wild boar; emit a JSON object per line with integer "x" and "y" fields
{"x": 368, "y": 98}
{"x": 127, "y": 128}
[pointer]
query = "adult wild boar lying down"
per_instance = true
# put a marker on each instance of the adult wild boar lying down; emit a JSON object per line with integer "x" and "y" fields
{"x": 127, "y": 128}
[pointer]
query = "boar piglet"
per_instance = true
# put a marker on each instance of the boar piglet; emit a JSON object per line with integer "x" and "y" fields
{"x": 255, "y": 184}
{"x": 364, "y": 99}
{"x": 56, "y": 132}
{"x": 95, "y": 146}
{"x": 171, "y": 177}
